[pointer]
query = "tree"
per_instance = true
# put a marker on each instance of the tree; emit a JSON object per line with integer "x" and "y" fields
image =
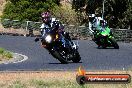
{"x": 77, "y": 4}
{"x": 27, "y": 9}
{"x": 117, "y": 12}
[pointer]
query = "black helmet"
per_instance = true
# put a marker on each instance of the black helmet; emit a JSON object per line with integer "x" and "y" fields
{"x": 55, "y": 24}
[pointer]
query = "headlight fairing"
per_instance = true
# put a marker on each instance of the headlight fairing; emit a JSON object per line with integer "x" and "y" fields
{"x": 104, "y": 34}
{"x": 48, "y": 38}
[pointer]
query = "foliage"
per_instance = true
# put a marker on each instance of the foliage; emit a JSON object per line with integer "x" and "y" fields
{"x": 2, "y": 50}
{"x": 6, "y": 23}
{"x": 16, "y": 24}
{"x": 30, "y": 10}
{"x": 6, "y": 54}
{"x": 17, "y": 84}
{"x": 21, "y": 11}
{"x": 27, "y": 9}
{"x": 65, "y": 14}
{"x": 116, "y": 12}
{"x": 77, "y": 4}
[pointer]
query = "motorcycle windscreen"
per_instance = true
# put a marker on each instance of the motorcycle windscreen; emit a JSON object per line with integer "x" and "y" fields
{"x": 106, "y": 32}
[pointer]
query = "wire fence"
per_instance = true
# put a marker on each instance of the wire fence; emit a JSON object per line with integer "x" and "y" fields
{"x": 76, "y": 32}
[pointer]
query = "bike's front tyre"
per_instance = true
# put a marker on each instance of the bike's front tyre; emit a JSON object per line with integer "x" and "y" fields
{"x": 114, "y": 43}
{"x": 76, "y": 58}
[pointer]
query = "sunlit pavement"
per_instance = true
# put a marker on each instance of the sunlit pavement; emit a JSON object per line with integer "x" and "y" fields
{"x": 40, "y": 59}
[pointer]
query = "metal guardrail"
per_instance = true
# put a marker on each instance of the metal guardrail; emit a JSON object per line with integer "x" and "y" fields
{"x": 18, "y": 24}
{"x": 77, "y": 32}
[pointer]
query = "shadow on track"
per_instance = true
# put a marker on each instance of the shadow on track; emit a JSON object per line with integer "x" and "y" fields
{"x": 68, "y": 63}
{"x": 105, "y": 48}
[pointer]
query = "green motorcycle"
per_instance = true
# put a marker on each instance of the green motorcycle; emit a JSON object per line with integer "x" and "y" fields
{"x": 105, "y": 38}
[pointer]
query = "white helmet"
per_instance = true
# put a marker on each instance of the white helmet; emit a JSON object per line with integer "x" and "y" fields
{"x": 92, "y": 15}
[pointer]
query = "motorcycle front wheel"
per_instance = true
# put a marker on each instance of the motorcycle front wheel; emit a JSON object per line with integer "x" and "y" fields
{"x": 76, "y": 58}
{"x": 114, "y": 43}
{"x": 58, "y": 56}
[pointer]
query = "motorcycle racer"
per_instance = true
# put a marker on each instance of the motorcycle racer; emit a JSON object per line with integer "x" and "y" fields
{"x": 48, "y": 22}
{"x": 102, "y": 25}
{"x": 57, "y": 41}
{"x": 95, "y": 22}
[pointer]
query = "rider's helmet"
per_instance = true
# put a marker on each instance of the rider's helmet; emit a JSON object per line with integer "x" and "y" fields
{"x": 91, "y": 17}
{"x": 46, "y": 17}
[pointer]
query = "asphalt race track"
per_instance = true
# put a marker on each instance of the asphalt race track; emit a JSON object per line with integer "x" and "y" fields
{"x": 40, "y": 59}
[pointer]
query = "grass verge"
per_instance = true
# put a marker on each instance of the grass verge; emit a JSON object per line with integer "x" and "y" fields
{"x": 5, "y": 55}
{"x": 53, "y": 79}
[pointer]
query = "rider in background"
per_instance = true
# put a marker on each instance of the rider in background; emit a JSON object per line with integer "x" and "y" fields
{"x": 102, "y": 26}
{"x": 94, "y": 22}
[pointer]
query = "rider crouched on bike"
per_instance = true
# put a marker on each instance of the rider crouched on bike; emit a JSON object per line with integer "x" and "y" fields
{"x": 94, "y": 22}
{"x": 48, "y": 22}
{"x": 96, "y": 25}
{"x": 102, "y": 26}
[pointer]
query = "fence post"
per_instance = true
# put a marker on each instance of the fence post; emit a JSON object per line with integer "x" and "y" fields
{"x": 30, "y": 31}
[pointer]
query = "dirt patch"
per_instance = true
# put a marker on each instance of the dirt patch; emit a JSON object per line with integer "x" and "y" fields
{"x": 17, "y": 32}
{"x": 11, "y": 30}
{"x": 57, "y": 75}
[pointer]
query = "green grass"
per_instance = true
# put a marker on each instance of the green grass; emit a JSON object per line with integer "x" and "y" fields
{"x": 7, "y": 54}
{"x": 39, "y": 83}
{"x": 17, "y": 84}
{"x": 4, "y": 54}
{"x": 55, "y": 84}
{"x": 2, "y": 50}
{"x": 73, "y": 84}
